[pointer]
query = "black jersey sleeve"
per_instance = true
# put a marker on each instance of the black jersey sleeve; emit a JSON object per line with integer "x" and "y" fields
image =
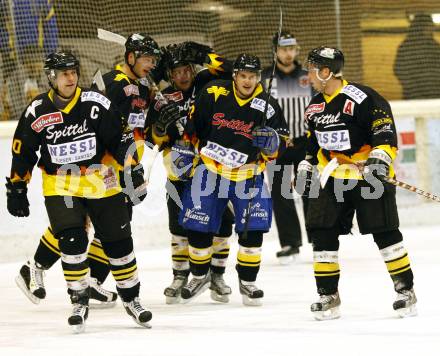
{"x": 198, "y": 125}
{"x": 25, "y": 145}
{"x": 380, "y": 121}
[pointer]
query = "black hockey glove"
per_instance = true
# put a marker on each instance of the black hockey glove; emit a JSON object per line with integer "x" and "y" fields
{"x": 135, "y": 185}
{"x": 303, "y": 181}
{"x": 17, "y": 201}
{"x": 377, "y": 165}
{"x": 194, "y": 52}
{"x": 168, "y": 114}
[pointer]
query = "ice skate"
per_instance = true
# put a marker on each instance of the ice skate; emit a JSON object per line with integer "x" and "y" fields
{"x": 172, "y": 293}
{"x": 101, "y": 298}
{"x": 139, "y": 314}
{"x": 327, "y": 307}
{"x": 219, "y": 289}
{"x": 250, "y": 293}
{"x": 288, "y": 255}
{"x": 195, "y": 287}
{"x": 405, "y": 304}
{"x": 30, "y": 281}
{"x": 80, "y": 312}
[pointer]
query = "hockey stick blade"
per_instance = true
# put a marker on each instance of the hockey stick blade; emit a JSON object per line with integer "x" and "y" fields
{"x": 97, "y": 79}
{"x": 111, "y": 37}
{"x": 327, "y": 171}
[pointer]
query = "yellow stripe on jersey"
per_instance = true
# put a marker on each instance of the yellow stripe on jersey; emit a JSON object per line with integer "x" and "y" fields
{"x": 121, "y": 76}
{"x": 215, "y": 65}
{"x": 71, "y": 104}
{"x": 329, "y": 98}
{"x": 349, "y": 165}
{"x": 97, "y": 184}
{"x": 242, "y": 102}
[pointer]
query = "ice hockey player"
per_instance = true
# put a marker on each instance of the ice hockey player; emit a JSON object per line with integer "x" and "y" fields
{"x": 131, "y": 98}
{"x": 292, "y": 89}
{"x": 185, "y": 83}
{"x": 78, "y": 136}
{"x": 352, "y": 125}
{"x": 225, "y": 127}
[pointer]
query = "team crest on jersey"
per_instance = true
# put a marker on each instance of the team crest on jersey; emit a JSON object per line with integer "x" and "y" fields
{"x": 217, "y": 91}
{"x": 47, "y": 120}
{"x": 348, "y": 107}
{"x": 355, "y": 93}
{"x": 260, "y": 104}
{"x": 304, "y": 81}
{"x": 131, "y": 89}
{"x": 314, "y": 109}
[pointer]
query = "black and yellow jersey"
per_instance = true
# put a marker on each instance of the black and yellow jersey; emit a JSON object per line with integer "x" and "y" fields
{"x": 131, "y": 99}
{"x": 77, "y": 145}
{"x": 216, "y": 68}
{"x": 220, "y": 126}
{"x": 348, "y": 125}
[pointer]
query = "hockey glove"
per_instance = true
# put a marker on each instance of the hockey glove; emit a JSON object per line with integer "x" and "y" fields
{"x": 303, "y": 180}
{"x": 135, "y": 185}
{"x": 168, "y": 114}
{"x": 194, "y": 52}
{"x": 377, "y": 165}
{"x": 182, "y": 157}
{"x": 17, "y": 201}
{"x": 267, "y": 139}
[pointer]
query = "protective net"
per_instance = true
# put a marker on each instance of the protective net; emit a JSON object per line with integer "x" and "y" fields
{"x": 390, "y": 45}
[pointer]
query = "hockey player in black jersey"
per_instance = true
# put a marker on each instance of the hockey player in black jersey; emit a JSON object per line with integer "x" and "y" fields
{"x": 180, "y": 61}
{"x": 78, "y": 135}
{"x": 352, "y": 138}
{"x": 292, "y": 89}
{"x": 231, "y": 144}
{"x": 130, "y": 98}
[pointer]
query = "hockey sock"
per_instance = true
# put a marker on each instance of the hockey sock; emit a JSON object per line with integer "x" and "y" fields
{"x": 73, "y": 245}
{"x": 48, "y": 251}
{"x": 200, "y": 244}
{"x": 179, "y": 251}
{"x": 220, "y": 254}
{"x": 325, "y": 260}
{"x": 396, "y": 258}
{"x": 249, "y": 255}
{"x": 98, "y": 261}
{"x": 123, "y": 267}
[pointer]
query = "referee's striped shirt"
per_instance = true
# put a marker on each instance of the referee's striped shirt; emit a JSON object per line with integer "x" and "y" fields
{"x": 293, "y": 92}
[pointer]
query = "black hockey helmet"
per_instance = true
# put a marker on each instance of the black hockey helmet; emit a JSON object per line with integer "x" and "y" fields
{"x": 286, "y": 39}
{"x": 172, "y": 57}
{"x": 141, "y": 44}
{"x": 247, "y": 62}
{"x": 329, "y": 57}
{"x": 60, "y": 61}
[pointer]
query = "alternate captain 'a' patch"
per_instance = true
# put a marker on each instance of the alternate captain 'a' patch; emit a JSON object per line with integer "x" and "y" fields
{"x": 217, "y": 91}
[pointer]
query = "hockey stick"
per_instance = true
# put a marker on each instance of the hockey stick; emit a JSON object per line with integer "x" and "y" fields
{"x": 263, "y": 123}
{"x": 412, "y": 188}
{"x": 111, "y": 37}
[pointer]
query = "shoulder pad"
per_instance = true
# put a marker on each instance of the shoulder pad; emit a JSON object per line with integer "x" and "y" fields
{"x": 355, "y": 93}
{"x": 96, "y": 97}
